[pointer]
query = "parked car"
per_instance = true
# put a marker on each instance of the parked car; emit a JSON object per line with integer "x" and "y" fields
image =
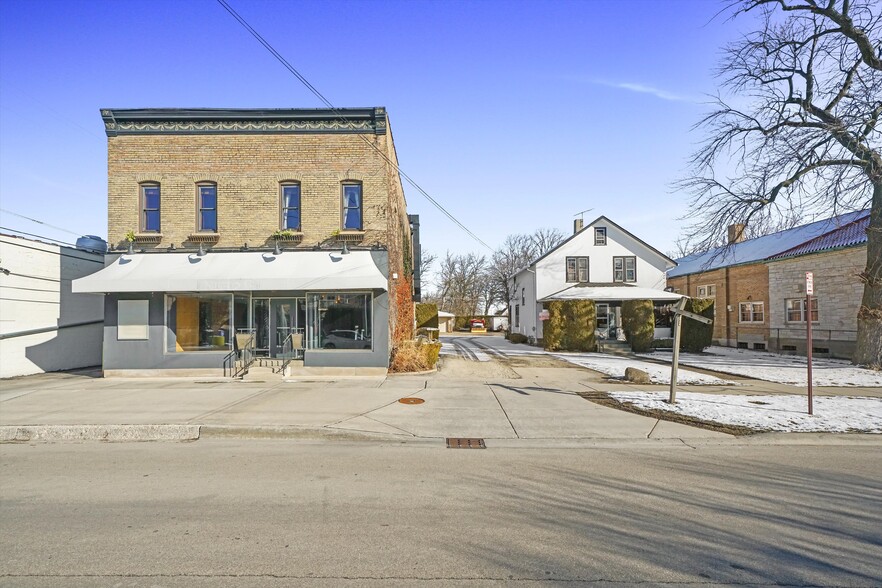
{"x": 346, "y": 339}
{"x": 477, "y": 326}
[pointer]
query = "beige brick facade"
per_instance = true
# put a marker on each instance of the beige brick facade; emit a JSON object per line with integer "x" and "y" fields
{"x": 248, "y": 170}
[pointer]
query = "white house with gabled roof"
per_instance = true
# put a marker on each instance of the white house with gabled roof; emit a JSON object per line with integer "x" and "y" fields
{"x": 601, "y": 261}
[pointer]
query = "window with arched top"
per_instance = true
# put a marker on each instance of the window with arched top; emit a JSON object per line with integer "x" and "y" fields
{"x": 352, "y": 219}
{"x": 290, "y": 206}
{"x": 206, "y": 205}
{"x": 149, "y": 205}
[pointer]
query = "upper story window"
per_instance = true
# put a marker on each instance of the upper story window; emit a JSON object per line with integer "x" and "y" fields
{"x": 577, "y": 269}
{"x": 624, "y": 269}
{"x": 708, "y": 291}
{"x": 150, "y": 208}
{"x": 291, "y": 206}
{"x": 751, "y": 312}
{"x": 206, "y": 201}
{"x": 796, "y": 310}
{"x": 600, "y": 235}
{"x": 352, "y": 206}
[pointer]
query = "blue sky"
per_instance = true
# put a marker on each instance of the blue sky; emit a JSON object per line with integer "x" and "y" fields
{"x": 513, "y": 115}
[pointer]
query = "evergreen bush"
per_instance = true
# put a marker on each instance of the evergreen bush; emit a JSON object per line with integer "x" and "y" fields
{"x": 695, "y": 337}
{"x": 427, "y": 319}
{"x": 570, "y": 326}
{"x": 638, "y": 322}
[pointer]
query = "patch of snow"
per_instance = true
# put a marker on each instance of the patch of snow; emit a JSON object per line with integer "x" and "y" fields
{"x": 614, "y": 366}
{"x": 771, "y": 367}
{"x": 832, "y": 414}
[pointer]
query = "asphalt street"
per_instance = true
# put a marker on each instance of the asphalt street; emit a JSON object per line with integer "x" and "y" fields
{"x": 310, "y": 513}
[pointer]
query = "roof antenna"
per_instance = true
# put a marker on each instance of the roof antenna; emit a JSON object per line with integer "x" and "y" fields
{"x": 579, "y": 223}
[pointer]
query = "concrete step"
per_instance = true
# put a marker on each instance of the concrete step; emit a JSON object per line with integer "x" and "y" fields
{"x": 613, "y": 347}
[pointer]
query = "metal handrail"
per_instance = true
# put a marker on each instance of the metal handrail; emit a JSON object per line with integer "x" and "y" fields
{"x": 287, "y": 352}
{"x": 237, "y": 363}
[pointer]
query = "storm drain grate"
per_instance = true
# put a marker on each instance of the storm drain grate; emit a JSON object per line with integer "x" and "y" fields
{"x": 464, "y": 443}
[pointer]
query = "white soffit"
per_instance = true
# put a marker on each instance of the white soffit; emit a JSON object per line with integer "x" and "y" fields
{"x": 239, "y": 271}
{"x": 604, "y": 293}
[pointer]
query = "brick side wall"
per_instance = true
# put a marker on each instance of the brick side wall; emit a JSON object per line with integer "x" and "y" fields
{"x": 248, "y": 169}
{"x": 734, "y": 285}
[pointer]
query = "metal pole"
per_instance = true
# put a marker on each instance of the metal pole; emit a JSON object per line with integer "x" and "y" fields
{"x": 678, "y": 318}
{"x": 808, "y": 344}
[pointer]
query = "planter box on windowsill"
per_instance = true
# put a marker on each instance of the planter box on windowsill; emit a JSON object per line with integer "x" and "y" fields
{"x": 203, "y": 237}
{"x": 350, "y": 236}
{"x": 148, "y": 238}
{"x": 295, "y": 238}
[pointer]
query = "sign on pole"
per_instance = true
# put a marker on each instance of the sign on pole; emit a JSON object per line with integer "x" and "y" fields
{"x": 809, "y": 291}
{"x": 679, "y": 313}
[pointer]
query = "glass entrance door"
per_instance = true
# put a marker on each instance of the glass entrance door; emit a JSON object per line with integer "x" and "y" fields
{"x": 274, "y": 320}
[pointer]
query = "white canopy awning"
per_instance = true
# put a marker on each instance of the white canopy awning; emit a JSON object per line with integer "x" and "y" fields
{"x": 613, "y": 293}
{"x": 239, "y": 271}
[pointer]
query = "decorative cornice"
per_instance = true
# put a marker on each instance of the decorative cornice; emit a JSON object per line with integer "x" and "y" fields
{"x": 199, "y": 121}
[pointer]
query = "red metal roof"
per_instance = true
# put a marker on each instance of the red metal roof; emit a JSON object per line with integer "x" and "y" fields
{"x": 854, "y": 233}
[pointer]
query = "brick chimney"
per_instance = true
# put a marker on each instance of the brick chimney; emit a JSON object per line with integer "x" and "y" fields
{"x": 578, "y": 225}
{"x": 736, "y": 233}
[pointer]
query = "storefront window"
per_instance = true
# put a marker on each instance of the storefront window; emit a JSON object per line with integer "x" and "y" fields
{"x": 201, "y": 322}
{"x": 339, "y": 321}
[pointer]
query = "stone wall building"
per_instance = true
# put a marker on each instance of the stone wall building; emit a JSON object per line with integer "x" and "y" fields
{"x": 759, "y": 286}
{"x": 289, "y": 225}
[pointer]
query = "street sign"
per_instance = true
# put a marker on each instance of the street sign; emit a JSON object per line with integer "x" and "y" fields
{"x": 809, "y": 283}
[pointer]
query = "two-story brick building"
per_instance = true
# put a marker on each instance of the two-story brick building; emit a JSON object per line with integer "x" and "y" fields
{"x": 286, "y": 224}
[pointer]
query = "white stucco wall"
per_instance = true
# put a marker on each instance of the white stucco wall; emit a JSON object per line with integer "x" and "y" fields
{"x": 36, "y": 296}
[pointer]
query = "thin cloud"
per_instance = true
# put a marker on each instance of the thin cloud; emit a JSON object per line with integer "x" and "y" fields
{"x": 644, "y": 89}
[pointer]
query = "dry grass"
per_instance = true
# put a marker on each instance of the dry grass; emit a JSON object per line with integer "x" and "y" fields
{"x": 414, "y": 356}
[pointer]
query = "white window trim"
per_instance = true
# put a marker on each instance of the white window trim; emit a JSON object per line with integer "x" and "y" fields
{"x": 751, "y": 321}
{"x": 706, "y": 288}
{"x": 802, "y": 312}
{"x": 597, "y": 232}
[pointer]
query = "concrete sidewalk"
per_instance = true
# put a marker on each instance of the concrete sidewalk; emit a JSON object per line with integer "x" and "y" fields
{"x": 534, "y": 407}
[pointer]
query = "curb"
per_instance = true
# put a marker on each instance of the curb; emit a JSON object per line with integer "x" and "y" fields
{"x": 109, "y": 433}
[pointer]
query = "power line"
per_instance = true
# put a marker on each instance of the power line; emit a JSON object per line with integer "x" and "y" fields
{"x": 39, "y": 222}
{"x": 345, "y": 120}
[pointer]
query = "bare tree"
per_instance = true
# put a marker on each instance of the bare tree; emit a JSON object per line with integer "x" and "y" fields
{"x": 462, "y": 283}
{"x": 687, "y": 245}
{"x": 516, "y": 253}
{"x": 804, "y": 133}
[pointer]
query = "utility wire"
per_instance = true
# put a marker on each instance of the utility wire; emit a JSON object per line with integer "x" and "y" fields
{"x": 39, "y": 222}
{"x": 344, "y": 119}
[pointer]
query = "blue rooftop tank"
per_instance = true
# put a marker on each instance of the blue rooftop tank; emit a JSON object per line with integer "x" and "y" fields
{"x": 92, "y": 244}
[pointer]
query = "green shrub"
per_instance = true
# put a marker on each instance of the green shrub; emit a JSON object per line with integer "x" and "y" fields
{"x": 663, "y": 344}
{"x": 426, "y": 315}
{"x": 638, "y": 322}
{"x": 517, "y": 338}
{"x": 695, "y": 337}
{"x": 570, "y": 326}
{"x": 427, "y": 320}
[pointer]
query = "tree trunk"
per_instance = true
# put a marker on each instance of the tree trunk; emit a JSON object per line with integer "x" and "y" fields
{"x": 869, "y": 336}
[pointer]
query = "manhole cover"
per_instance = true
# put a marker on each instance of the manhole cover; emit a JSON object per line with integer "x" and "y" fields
{"x": 411, "y": 400}
{"x": 463, "y": 443}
